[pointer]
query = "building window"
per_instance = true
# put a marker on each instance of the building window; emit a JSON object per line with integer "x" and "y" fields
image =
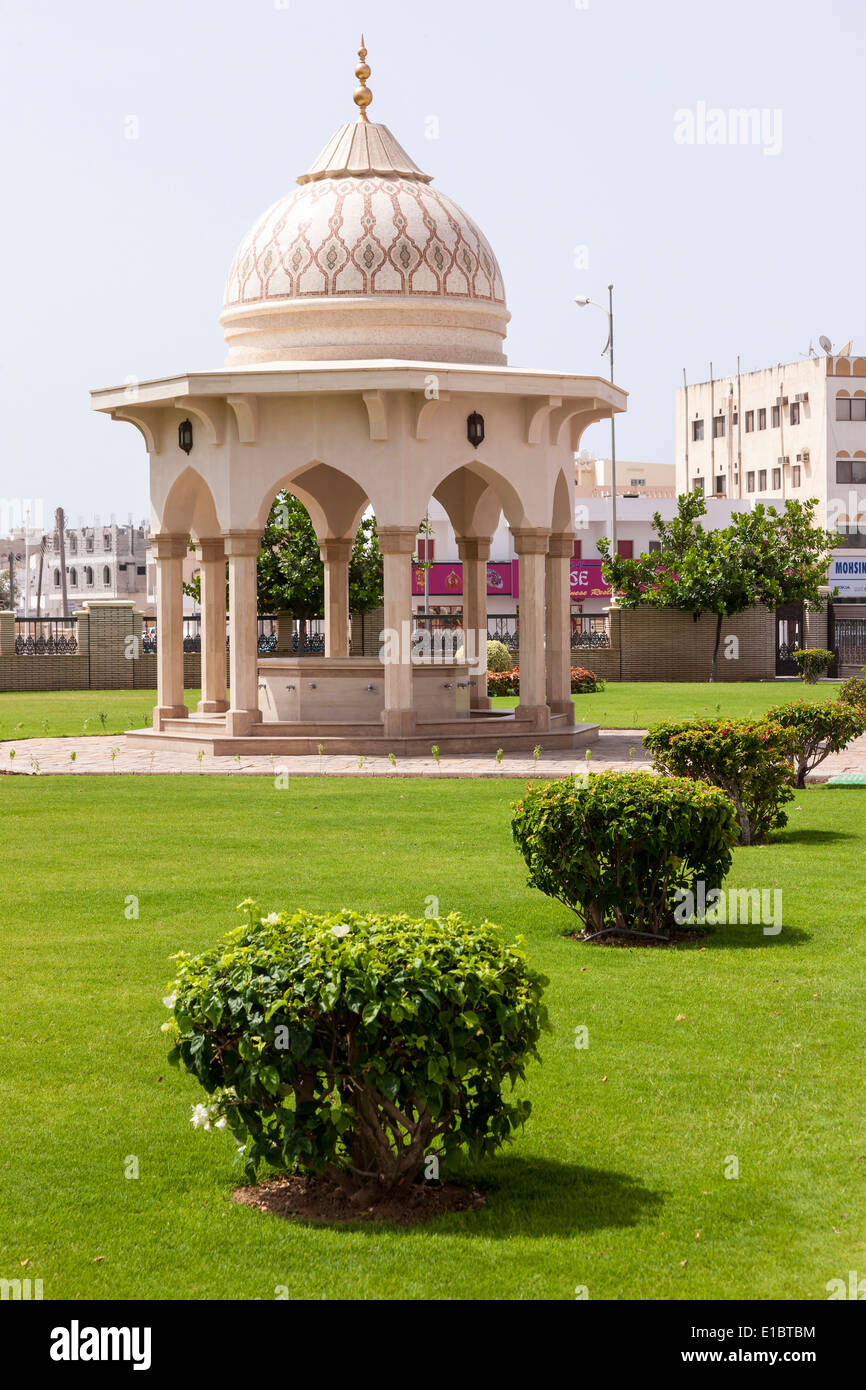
{"x": 141, "y": 569}
{"x": 654, "y": 546}
{"x": 795, "y": 413}
{"x": 88, "y": 575}
{"x": 750, "y": 421}
{"x": 720, "y": 484}
{"x": 73, "y": 545}
{"x": 57, "y": 579}
{"x": 698, "y": 486}
{"x": 762, "y": 419}
{"x": 575, "y": 554}
{"x": 73, "y": 578}
{"x": 776, "y": 417}
{"x": 697, "y": 430}
{"x": 762, "y": 480}
{"x": 851, "y": 470}
{"x": 858, "y": 408}
{"x": 426, "y": 548}
{"x": 795, "y": 475}
{"x": 106, "y": 540}
{"x": 750, "y": 482}
{"x": 735, "y": 418}
{"x": 638, "y": 482}
{"x": 625, "y": 549}
{"x": 718, "y": 427}
{"x": 777, "y": 479}
{"x": 851, "y": 537}
{"x": 106, "y": 575}
{"x": 843, "y": 408}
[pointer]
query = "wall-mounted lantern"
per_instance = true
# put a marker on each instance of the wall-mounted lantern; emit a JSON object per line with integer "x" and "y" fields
{"x": 184, "y": 435}
{"x": 475, "y": 429}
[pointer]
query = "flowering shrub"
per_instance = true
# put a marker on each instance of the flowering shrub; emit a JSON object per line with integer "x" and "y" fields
{"x": 748, "y": 759}
{"x": 499, "y": 658}
{"x": 583, "y": 682}
{"x": 352, "y": 1046}
{"x": 503, "y": 682}
{"x": 853, "y": 690}
{"x": 615, "y": 847}
{"x": 818, "y": 730}
{"x": 812, "y": 662}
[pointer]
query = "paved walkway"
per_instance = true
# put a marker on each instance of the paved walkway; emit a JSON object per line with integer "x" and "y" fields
{"x": 98, "y": 756}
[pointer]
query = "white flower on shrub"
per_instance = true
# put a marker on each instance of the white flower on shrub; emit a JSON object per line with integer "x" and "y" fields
{"x": 272, "y": 919}
{"x": 200, "y": 1117}
{"x": 167, "y": 1027}
{"x": 341, "y": 930}
{"x": 170, "y": 1000}
{"x": 220, "y": 1123}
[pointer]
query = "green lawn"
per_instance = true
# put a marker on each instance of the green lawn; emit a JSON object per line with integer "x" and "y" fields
{"x": 617, "y": 1183}
{"x": 629, "y": 705}
{"x": 637, "y": 704}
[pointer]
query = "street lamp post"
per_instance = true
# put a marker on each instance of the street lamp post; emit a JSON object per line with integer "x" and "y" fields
{"x": 607, "y": 351}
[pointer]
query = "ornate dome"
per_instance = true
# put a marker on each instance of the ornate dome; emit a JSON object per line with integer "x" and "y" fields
{"x": 364, "y": 260}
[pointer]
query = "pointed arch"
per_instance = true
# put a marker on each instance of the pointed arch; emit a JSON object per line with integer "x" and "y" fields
{"x": 189, "y": 508}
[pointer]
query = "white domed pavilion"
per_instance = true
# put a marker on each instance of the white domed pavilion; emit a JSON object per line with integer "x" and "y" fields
{"x": 365, "y": 319}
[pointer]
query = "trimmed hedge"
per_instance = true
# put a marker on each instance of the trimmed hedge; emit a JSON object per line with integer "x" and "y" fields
{"x": 749, "y": 759}
{"x": 853, "y": 691}
{"x": 818, "y": 730}
{"x": 499, "y": 658}
{"x": 812, "y": 662}
{"x": 619, "y": 848}
{"x": 354, "y": 1046}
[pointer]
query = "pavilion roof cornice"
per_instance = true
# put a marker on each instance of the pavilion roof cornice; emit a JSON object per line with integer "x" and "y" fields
{"x": 321, "y": 378}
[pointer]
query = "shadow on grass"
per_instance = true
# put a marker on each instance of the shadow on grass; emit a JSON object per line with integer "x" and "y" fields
{"x": 746, "y": 938}
{"x": 809, "y": 837}
{"x": 541, "y": 1197}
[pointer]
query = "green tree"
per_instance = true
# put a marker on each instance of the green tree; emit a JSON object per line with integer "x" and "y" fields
{"x": 763, "y": 557}
{"x": 291, "y": 576}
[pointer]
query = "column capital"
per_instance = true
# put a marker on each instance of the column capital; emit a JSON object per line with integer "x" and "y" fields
{"x": 165, "y": 546}
{"x": 561, "y": 545}
{"x": 210, "y": 549}
{"x": 531, "y": 540}
{"x": 242, "y": 543}
{"x": 397, "y": 540}
{"x": 336, "y": 551}
{"x": 474, "y": 547}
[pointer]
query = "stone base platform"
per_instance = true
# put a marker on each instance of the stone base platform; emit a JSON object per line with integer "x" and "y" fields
{"x": 482, "y": 735}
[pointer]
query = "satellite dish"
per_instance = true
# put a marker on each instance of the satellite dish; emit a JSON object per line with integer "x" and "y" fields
{"x": 826, "y": 344}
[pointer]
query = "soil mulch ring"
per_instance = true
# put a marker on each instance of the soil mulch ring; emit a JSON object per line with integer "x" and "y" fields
{"x": 676, "y": 938}
{"x": 309, "y": 1199}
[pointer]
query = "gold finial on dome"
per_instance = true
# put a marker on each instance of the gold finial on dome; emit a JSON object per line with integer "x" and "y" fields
{"x": 363, "y": 95}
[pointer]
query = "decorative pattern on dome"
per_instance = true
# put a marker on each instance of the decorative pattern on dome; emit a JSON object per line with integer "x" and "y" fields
{"x": 364, "y": 236}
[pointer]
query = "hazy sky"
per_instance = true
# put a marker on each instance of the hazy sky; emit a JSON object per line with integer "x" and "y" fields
{"x": 556, "y": 131}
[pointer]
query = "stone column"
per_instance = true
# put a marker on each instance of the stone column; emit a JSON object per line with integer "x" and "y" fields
{"x": 474, "y": 551}
{"x": 242, "y": 550}
{"x": 531, "y": 546}
{"x": 168, "y": 552}
{"x": 336, "y": 555}
{"x": 397, "y": 544}
{"x": 558, "y": 604}
{"x": 211, "y": 556}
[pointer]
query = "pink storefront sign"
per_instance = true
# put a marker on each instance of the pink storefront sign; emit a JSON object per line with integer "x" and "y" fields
{"x": 447, "y": 579}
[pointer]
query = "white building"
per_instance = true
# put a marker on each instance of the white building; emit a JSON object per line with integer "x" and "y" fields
{"x": 797, "y": 430}
{"x": 102, "y": 562}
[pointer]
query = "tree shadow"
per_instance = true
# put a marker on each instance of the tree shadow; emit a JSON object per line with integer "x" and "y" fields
{"x": 746, "y": 938}
{"x": 541, "y": 1197}
{"x": 809, "y": 837}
